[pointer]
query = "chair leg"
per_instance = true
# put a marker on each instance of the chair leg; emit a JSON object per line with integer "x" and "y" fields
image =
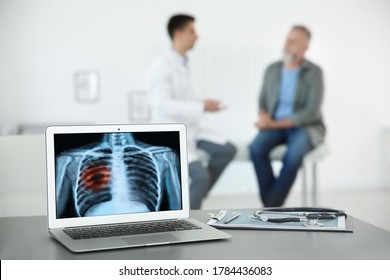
{"x": 314, "y": 190}
{"x": 304, "y": 185}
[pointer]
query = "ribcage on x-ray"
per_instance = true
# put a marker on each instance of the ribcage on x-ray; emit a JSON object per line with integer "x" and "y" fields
{"x": 142, "y": 176}
{"x": 134, "y": 178}
{"x": 117, "y": 175}
{"x": 94, "y": 180}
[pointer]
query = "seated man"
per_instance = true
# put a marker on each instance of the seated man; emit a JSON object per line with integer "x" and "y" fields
{"x": 289, "y": 113}
{"x": 173, "y": 100}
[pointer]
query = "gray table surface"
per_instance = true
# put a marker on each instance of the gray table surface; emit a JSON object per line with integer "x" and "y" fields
{"x": 27, "y": 238}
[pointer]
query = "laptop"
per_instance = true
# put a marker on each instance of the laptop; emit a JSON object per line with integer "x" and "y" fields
{"x": 120, "y": 186}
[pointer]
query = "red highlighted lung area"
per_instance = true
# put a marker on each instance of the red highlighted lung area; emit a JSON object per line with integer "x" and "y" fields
{"x": 96, "y": 178}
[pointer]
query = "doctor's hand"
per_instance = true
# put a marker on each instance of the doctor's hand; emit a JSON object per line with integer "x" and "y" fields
{"x": 211, "y": 105}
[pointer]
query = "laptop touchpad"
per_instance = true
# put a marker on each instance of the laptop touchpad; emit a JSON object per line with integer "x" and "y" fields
{"x": 151, "y": 239}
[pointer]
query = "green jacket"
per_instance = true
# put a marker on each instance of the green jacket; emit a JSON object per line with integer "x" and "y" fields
{"x": 308, "y": 98}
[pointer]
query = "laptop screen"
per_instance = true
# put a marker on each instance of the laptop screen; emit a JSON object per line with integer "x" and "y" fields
{"x": 115, "y": 173}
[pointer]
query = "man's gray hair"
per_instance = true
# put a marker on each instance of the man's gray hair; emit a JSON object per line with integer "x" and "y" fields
{"x": 304, "y": 29}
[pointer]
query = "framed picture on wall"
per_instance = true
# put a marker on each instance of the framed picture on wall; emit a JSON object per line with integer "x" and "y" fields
{"x": 139, "y": 111}
{"x": 86, "y": 86}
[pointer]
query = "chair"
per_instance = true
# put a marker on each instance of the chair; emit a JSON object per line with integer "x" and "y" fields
{"x": 23, "y": 179}
{"x": 311, "y": 159}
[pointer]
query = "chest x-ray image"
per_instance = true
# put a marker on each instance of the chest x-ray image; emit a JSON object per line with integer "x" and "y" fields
{"x": 116, "y": 174}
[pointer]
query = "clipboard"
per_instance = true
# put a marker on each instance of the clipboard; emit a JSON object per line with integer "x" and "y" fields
{"x": 245, "y": 220}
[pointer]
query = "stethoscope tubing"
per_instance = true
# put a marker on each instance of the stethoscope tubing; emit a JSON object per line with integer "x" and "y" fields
{"x": 297, "y": 214}
{"x": 304, "y": 209}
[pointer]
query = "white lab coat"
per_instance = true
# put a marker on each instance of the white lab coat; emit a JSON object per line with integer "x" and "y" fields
{"x": 173, "y": 100}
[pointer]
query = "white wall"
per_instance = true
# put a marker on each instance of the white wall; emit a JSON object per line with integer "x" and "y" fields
{"x": 42, "y": 43}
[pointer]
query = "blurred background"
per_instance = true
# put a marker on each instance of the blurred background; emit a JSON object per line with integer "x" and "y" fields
{"x": 47, "y": 48}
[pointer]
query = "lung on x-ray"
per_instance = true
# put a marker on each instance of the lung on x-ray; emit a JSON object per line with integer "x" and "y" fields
{"x": 117, "y": 173}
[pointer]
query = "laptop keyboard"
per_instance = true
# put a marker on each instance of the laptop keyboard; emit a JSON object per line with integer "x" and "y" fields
{"x": 129, "y": 229}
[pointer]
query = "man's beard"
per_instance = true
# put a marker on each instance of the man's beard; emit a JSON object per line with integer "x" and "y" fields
{"x": 289, "y": 58}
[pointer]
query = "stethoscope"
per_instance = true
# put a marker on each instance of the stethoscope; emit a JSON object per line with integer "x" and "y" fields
{"x": 309, "y": 216}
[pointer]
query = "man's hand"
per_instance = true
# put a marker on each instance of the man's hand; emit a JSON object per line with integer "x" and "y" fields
{"x": 266, "y": 122}
{"x": 211, "y": 105}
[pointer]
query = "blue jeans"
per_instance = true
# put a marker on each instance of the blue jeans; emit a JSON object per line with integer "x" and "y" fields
{"x": 274, "y": 190}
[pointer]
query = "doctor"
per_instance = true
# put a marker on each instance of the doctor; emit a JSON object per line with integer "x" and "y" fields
{"x": 173, "y": 100}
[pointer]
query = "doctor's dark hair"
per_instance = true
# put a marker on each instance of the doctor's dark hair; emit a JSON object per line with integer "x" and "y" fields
{"x": 178, "y": 22}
